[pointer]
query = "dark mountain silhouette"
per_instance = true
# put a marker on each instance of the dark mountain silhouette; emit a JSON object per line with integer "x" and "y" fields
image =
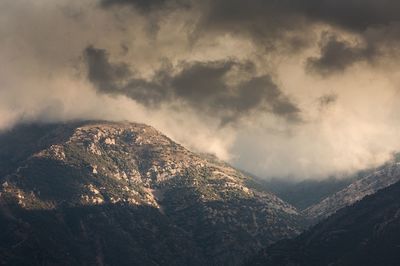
{"x": 366, "y": 233}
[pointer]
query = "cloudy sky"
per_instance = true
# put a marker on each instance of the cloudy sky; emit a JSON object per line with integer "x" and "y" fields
{"x": 288, "y": 88}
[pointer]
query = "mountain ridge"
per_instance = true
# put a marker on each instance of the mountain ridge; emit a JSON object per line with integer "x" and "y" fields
{"x": 383, "y": 177}
{"x": 365, "y": 233}
{"x": 75, "y": 171}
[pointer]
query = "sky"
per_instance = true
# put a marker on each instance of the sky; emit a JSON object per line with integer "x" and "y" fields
{"x": 286, "y": 89}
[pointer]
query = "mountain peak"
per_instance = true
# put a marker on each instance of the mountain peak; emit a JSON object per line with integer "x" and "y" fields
{"x": 103, "y": 165}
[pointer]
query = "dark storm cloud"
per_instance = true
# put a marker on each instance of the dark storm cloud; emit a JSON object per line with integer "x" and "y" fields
{"x": 354, "y": 14}
{"x": 147, "y": 6}
{"x": 285, "y": 24}
{"x": 350, "y": 14}
{"x": 270, "y": 24}
{"x": 153, "y": 10}
{"x": 203, "y": 86}
{"x": 117, "y": 78}
{"x": 144, "y": 5}
{"x": 336, "y": 55}
{"x": 104, "y": 75}
{"x": 42, "y": 43}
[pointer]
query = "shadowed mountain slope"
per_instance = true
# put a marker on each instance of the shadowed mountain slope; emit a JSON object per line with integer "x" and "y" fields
{"x": 366, "y": 233}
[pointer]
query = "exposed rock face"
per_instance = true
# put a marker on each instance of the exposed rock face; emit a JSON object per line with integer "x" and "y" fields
{"x": 127, "y": 194}
{"x": 384, "y": 177}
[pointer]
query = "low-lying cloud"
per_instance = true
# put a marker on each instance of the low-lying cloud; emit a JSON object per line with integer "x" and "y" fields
{"x": 288, "y": 88}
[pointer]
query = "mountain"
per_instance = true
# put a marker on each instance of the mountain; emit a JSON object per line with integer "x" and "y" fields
{"x": 385, "y": 176}
{"x": 105, "y": 193}
{"x": 305, "y": 193}
{"x": 366, "y": 233}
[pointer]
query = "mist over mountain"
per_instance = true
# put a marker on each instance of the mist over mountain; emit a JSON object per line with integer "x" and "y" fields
{"x": 292, "y": 89}
{"x": 314, "y": 195}
{"x": 123, "y": 194}
{"x": 303, "y": 194}
{"x": 184, "y": 132}
{"x": 370, "y": 183}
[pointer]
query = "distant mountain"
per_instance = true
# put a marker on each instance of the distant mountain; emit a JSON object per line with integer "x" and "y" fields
{"x": 366, "y": 233}
{"x": 383, "y": 177}
{"x": 101, "y": 193}
{"x": 305, "y": 193}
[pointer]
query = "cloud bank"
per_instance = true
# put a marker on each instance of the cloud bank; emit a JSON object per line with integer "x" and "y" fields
{"x": 290, "y": 89}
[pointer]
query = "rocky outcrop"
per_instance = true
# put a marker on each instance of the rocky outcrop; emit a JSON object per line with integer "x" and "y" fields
{"x": 130, "y": 178}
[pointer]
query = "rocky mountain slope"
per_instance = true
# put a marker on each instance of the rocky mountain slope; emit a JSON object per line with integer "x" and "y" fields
{"x": 366, "y": 233}
{"x": 105, "y": 193}
{"x": 370, "y": 184}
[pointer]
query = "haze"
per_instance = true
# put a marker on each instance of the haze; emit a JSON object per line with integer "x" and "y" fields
{"x": 289, "y": 89}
